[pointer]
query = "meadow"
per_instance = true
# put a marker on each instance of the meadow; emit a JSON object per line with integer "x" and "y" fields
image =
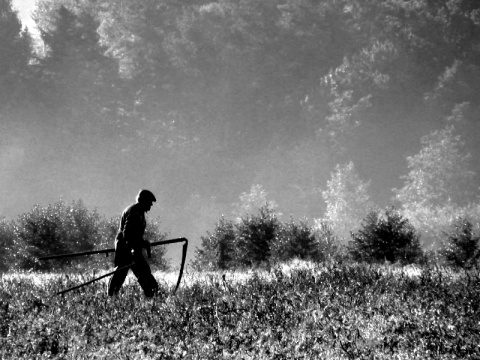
{"x": 299, "y": 310}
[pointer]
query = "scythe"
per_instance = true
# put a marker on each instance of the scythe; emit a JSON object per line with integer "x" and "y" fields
{"x": 107, "y": 251}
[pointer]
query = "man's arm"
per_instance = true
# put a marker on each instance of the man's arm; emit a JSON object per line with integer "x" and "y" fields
{"x": 133, "y": 228}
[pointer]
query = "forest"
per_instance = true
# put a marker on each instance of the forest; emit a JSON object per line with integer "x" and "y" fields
{"x": 324, "y": 110}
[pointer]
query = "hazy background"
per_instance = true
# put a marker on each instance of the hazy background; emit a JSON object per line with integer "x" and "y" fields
{"x": 217, "y": 97}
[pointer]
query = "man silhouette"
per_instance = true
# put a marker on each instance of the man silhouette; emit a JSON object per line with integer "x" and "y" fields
{"x": 129, "y": 243}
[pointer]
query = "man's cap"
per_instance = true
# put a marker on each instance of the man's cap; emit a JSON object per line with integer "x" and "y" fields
{"x": 146, "y": 195}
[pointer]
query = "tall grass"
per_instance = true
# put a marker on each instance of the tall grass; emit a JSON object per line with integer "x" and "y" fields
{"x": 294, "y": 310}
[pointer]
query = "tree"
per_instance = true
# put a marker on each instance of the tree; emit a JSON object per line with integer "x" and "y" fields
{"x": 440, "y": 185}
{"x": 79, "y": 79}
{"x": 250, "y": 202}
{"x": 296, "y": 240}
{"x": 414, "y": 59}
{"x": 255, "y": 236}
{"x": 462, "y": 248}
{"x": 55, "y": 229}
{"x": 15, "y": 56}
{"x": 152, "y": 234}
{"x": 439, "y": 174}
{"x": 6, "y": 244}
{"x": 347, "y": 200}
{"x": 386, "y": 238}
{"x": 218, "y": 247}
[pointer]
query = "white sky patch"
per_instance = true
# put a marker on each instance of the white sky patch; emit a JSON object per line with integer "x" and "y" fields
{"x": 25, "y": 9}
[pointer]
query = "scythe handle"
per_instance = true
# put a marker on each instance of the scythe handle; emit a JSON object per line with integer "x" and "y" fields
{"x": 94, "y": 280}
{"x": 106, "y": 251}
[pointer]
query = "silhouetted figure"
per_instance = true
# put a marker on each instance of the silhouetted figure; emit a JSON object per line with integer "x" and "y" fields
{"x": 129, "y": 244}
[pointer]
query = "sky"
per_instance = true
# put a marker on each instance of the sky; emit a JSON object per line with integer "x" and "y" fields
{"x": 25, "y": 8}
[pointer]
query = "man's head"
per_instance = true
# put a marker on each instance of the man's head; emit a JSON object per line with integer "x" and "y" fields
{"x": 146, "y": 199}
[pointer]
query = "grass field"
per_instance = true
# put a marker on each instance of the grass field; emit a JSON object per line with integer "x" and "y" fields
{"x": 295, "y": 311}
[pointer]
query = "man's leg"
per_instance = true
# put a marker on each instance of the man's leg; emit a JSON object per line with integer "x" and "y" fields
{"x": 116, "y": 281}
{"x": 122, "y": 258}
{"x": 142, "y": 271}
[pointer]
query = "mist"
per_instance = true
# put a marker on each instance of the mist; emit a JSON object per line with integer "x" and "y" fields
{"x": 203, "y": 110}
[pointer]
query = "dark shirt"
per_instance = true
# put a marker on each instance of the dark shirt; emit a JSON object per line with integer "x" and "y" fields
{"x": 133, "y": 225}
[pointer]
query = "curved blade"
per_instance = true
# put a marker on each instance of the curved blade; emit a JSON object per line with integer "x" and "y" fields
{"x": 184, "y": 255}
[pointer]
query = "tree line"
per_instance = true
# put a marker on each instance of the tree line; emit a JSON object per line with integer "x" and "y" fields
{"x": 261, "y": 239}
{"x": 253, "y": 239}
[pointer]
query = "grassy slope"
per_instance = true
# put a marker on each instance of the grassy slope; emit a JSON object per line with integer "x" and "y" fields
{"x": 305, "y": 311}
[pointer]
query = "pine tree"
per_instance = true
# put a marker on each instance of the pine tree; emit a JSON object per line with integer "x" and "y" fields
{"x": 15, "y": 55}
{"x": 386, "y": 238}
{"x": 255, "y": 236}
{"x": 217, "y": 248}
{"x": 79, "y": 79}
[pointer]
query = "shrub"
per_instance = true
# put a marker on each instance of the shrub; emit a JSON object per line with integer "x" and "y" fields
{"x": 462, "y": 247}
{"x": 295, "y": 240}
{"x": 55, "y": 229}
{"x": 218, "y": 247}
{"x": 331, "y": 247}
{"x": 62, "y": 228}
{"x": 255, "y": 236}
{"x": 152, "y": 234}
{"x": 6, "y": 243}
{"x": 385, "y": 238}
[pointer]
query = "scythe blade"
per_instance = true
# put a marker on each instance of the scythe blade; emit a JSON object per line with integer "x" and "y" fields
{"x": 184, "y": 256}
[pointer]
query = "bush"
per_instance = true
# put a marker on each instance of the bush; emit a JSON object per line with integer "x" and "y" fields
{"x": 152, "y": 234}
{"x": 462, "y": 248}
{"x": 331, "y": 247}
{"x": 263, "y": 238}
{"x": 295, "y": 241}
{"x": 255, "y": 236}
{"x": 6, "y": 244}
{"x": 55, "y": 229}
{"x": 218, "y": 247}
{"x": 61, "y": 229}
{"x": 389, "y": 238}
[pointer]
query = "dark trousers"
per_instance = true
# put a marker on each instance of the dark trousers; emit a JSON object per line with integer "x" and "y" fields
{"x": 140, "y": 268}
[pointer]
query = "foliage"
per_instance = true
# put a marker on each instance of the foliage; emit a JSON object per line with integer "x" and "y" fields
{"x": 439, "y": 173}
{"x": 6, "y": 244}
{"x": 311, "y": 311}
{"x": 152, "y": 234}
{"x": 386, "y": 238}
{"x": 16, "y": 45}
{"x": 256, "y": 234}
{"x": 440, "y": 185}
{"x": 347, "y": 200}
{"x": 261, "y": 238}
{"x": 79, "y": 77}
{"x": 60, "y": 228}
{"x": 331, "y": 247}
{"x": 217, "y": 248}
{"x": 296, "y": 240}
{"x": 462, "y": 248}
{"x": 250, "y": 202}
{"x": 56, "y": 229}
